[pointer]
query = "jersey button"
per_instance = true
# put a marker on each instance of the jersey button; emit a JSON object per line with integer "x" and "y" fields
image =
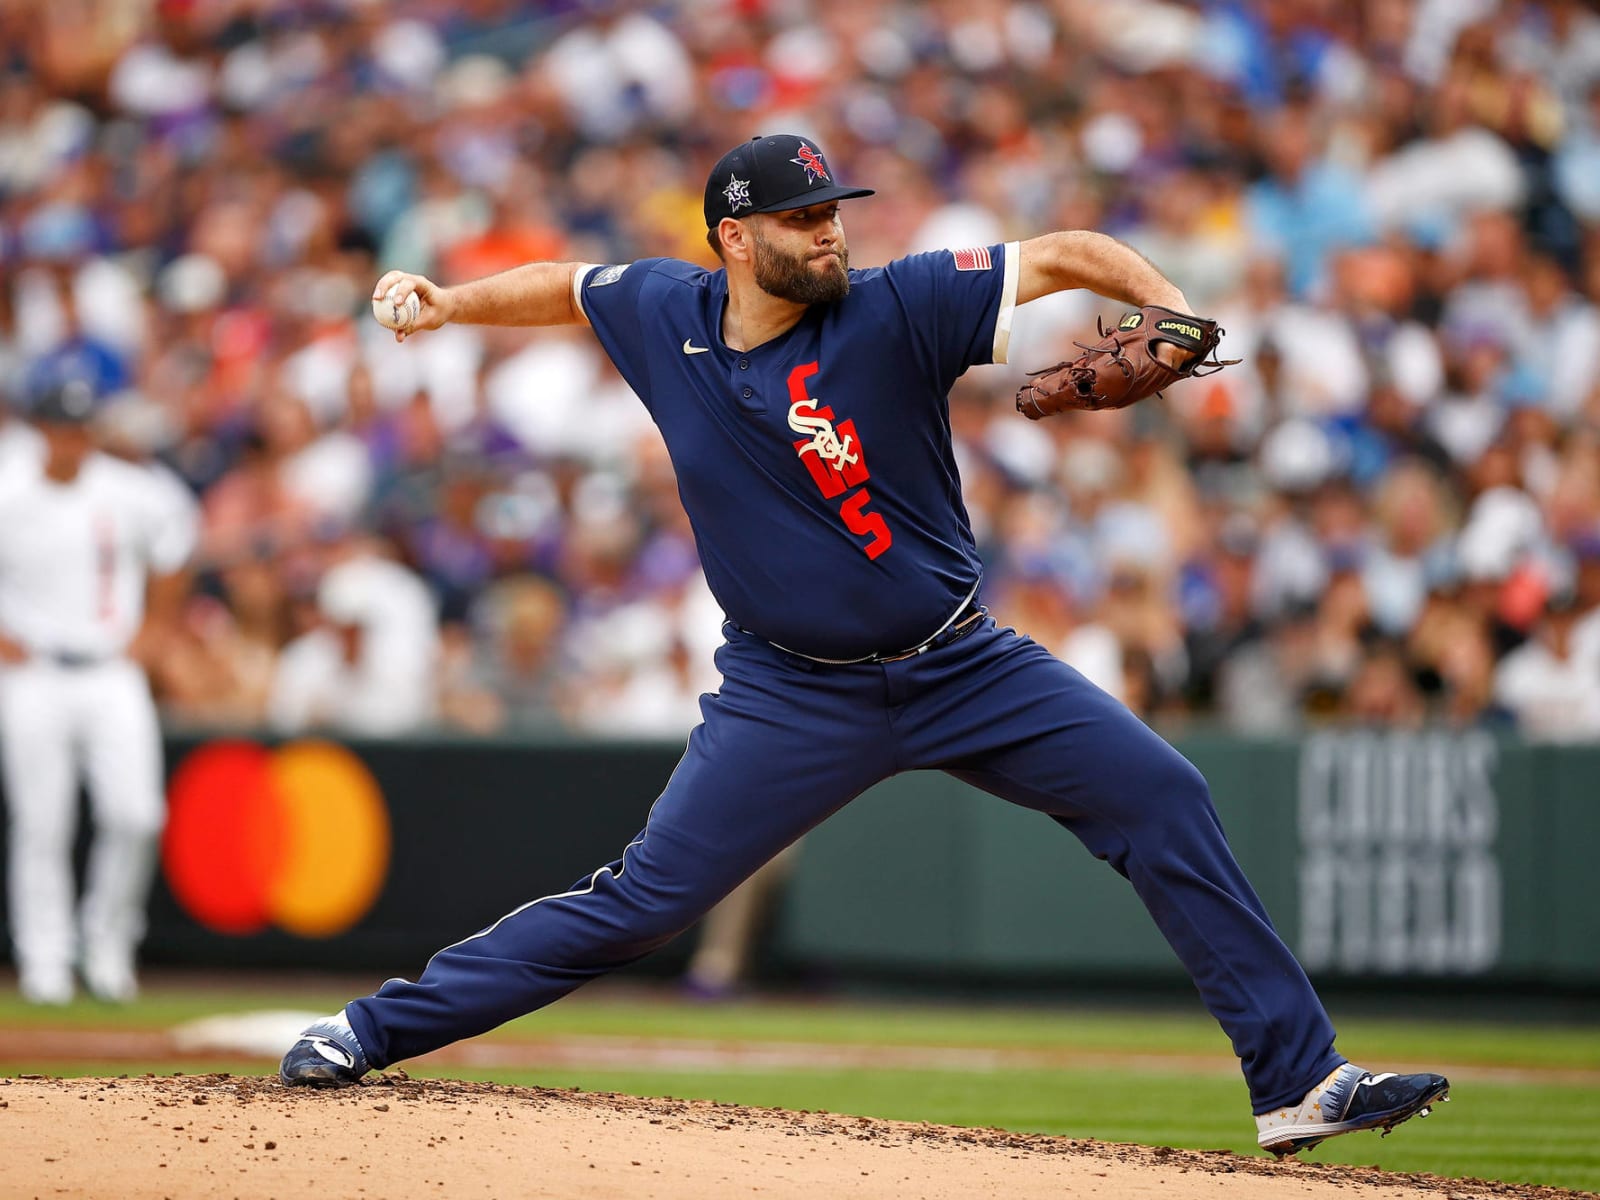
{"x": 747, "y": 393}
{"x": 744, "y": 364}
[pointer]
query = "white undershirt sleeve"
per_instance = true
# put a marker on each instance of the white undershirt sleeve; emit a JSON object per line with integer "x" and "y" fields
{"x": 578, "y": 277}
{"x": 1008, "y": 302}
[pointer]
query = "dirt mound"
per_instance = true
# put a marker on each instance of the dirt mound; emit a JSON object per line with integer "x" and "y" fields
{"x": 246, "y": 1136}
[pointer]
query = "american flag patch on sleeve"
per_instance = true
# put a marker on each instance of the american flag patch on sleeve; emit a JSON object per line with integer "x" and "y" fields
{"x": 975, "y": 259}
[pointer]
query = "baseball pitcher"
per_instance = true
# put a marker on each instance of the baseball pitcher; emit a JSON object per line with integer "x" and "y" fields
{"x": 804, "y": 406}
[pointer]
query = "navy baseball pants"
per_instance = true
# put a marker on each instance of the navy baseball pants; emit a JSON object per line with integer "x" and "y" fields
{"x": 786, "y": 742}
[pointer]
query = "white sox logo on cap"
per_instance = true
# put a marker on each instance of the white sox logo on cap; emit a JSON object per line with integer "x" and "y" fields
{"x": 815, "y": 168}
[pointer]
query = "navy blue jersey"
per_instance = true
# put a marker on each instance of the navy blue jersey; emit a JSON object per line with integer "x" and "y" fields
{"x": 817, "y": 469}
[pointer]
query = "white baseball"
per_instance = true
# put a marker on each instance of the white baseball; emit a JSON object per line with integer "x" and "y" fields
{"x": 392, "y": 314}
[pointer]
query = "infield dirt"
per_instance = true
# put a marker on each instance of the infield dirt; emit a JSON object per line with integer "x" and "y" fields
{"x": 248, "y": 1137}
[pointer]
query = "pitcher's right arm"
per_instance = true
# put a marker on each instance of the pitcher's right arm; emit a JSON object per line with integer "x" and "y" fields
{"x": 539, "y": 293}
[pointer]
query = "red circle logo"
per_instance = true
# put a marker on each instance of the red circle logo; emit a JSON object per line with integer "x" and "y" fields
{"x": 296, "y": 837}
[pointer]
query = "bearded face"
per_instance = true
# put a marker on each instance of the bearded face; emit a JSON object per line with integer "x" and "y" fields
{"x": 808, "y": 276}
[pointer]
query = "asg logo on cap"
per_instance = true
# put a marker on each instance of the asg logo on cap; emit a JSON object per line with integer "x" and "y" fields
{"x": 737, "y": 193}
{"x": 814, "y": 166}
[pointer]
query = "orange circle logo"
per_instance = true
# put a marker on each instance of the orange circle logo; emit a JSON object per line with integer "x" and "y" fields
{"x": 296, "y": 837}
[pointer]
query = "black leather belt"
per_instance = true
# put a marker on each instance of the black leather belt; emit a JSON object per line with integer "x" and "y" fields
{"x": 964, "y": 622}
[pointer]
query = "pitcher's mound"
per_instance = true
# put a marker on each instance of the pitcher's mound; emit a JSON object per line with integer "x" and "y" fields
{"x": 247, "y": 1137}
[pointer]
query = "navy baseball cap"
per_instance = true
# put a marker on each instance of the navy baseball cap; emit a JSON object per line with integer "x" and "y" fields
{"x": 771, "y": 174}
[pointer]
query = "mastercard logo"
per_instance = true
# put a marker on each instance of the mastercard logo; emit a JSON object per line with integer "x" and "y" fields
{"x": 295, "y": 837}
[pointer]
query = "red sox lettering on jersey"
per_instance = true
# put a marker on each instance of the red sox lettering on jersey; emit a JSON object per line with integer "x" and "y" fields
{"x": 836, "y": 460}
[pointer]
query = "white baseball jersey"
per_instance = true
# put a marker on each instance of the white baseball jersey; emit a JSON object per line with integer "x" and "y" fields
{"x": 21, "y": 450}
{"x": 74, "y": 557}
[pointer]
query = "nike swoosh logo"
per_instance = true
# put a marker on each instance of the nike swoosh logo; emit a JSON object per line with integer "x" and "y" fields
{"x": 688, "y": 349}
{"x": 332, "y": 1051}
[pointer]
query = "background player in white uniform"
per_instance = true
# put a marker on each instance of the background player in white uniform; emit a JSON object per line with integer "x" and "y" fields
{"x": 21, "y": 447}
{"x": 82, "y": 537}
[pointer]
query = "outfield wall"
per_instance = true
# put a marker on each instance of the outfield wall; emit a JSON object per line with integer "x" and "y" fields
{"x": 1436, "y": 856}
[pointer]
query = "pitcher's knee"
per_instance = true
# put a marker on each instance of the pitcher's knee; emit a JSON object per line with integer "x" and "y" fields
{"x": 656, "y": 916}
{"x": 1172, "y": 778}
{"x": 624, "y": 914}
{"x": 1173, "y": 789}
{"x": 637, "y": 929}
{"x": 1189, "y": 783}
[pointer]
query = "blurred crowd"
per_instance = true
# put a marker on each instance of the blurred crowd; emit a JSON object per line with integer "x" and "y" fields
{"x": 1389, "y": 512}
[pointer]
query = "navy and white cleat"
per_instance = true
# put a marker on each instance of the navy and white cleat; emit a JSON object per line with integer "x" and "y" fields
{"x": 1349, "y": 1100}
{"x": 327, "y": 1055}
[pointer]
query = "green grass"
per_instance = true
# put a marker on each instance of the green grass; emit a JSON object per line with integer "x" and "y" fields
{"x": 1485, "y": 1132}
{"x": 625, "y": 1014}
{"x": 1061, "y": 1028}
{"x": 1534, "y": 1130}
{"x": 161, "y": 1007}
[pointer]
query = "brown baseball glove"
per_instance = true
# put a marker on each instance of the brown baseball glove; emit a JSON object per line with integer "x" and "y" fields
{"x": 1122, "y": 366}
